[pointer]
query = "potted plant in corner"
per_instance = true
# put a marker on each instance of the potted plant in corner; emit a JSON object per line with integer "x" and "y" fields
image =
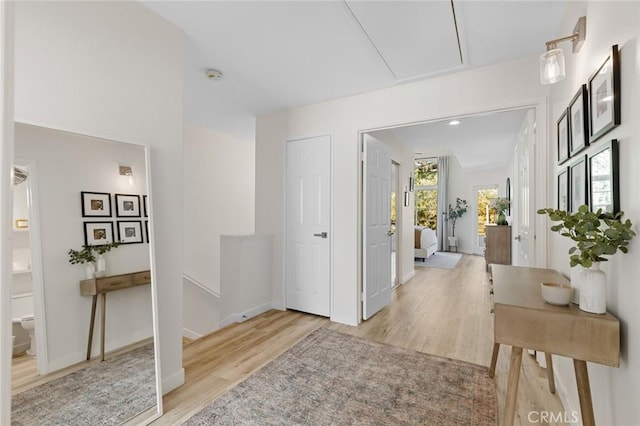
{"x": 453, "y": 215}
{"x": 597, "y": 234}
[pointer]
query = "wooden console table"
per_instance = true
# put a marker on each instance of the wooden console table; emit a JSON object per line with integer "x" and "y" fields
{"x": 102, "y": 286}
{"x": 524, "y": 320}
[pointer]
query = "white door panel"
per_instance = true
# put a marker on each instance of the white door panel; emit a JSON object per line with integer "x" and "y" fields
{"x": 525, "y": 155}
{"x": 307, "y": 225}
{"x": 377, "y": 239}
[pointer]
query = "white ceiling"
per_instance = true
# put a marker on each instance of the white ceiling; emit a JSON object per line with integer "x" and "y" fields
{"x": 479, "y": 142}
{"x": 282, "y": 54}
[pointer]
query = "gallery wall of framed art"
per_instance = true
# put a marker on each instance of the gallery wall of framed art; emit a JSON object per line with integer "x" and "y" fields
{"x": 588, "y": 164}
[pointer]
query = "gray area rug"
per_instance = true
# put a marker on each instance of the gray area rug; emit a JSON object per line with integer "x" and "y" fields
{"x": 104, "y": 393}
{"x": 440, "y": 259}
{"x": 330, "y": 378}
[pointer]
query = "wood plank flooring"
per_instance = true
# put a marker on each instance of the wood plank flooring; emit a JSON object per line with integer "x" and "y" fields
{"x": 440, "y": 311}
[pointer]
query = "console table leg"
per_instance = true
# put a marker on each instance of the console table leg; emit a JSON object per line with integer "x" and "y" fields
{"x": 91, "y": 324}
{"x": 550, "y": 378}
{"x": 494, "y": 359}
{"x": 102, "y": 325}
{"x": 584, "y": 392}
{"x": 512, "y": 386}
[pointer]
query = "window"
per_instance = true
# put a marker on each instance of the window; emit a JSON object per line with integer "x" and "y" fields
{"x": 426, "y": 190}
{"x": 486, "y": 213}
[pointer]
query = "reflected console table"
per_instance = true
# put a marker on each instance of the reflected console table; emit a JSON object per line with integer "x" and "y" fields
{"x": 102, "y": 286}
{"x": 524, "y": 320}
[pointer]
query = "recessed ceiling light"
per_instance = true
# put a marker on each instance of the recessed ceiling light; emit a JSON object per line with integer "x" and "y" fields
{"x": 454, "y": 122}
{"x": 213, "y": 74}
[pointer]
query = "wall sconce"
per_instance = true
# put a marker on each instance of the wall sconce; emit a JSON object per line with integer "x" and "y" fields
{"x": 127, "y": 171}
{"x": 552, "y": 61}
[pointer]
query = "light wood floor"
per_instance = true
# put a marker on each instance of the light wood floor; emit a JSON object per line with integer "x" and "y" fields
{"x": 441, "y": 312}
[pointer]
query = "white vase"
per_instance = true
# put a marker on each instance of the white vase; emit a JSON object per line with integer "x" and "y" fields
{"x": 593, "y": 290}
{"x": 90, "y": 270}
{"x": 577, "y": 277}
{"x": 101, "y": 266}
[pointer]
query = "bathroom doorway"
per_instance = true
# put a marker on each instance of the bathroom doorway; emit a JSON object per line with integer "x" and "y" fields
{"x": 26, "y": 285}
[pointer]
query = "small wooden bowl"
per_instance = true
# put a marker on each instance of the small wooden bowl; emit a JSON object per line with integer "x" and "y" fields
{"x": 556, "y": 294}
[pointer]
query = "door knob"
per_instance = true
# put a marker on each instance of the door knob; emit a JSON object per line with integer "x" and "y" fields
{"x": 321, "y": 235}
{"x": 390, "y": 233}
{"x": 517, "y": 238}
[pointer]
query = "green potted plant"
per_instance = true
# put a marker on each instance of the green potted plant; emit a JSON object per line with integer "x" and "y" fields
{"x": 101, "y": 263}
{"x": 86, "y": 256}
{"x": 597, "y": 234}
{"x": 453, "y": 215}
{"x": 501, "y": 205}
{"x": 83, "y": 256}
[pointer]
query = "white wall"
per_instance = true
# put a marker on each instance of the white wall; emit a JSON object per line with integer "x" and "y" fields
{"x": 6, "y": 161}
{"x": 461, "y": 185}
{"x": 67, "y": 164}
{"x": 615, "y": 390}
{"x": 219, "y": 198}
{"x": 114, "y": 70}
{"x": 506, "y": 85}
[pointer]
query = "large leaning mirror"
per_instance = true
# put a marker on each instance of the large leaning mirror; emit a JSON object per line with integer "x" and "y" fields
{"x": 83, "y": 325}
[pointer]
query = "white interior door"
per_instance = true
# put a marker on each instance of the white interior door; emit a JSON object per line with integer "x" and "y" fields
{"x": 307, "y": 224}
{"x": 524, "y": 240}
{"x": 377, "y": 227}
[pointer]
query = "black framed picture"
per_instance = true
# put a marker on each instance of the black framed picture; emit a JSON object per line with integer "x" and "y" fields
{"x": 130, "y": 231}
{"x": 563, "y": 138}
{"x": 95, "y": 204}
{"x": 604, "y": 178}
{"x": 578, "y": 122}
{"x": 145, "y": 205}
{"x": 563, "y": 189}
{"x": 146, "y": 230}
{"x": 578, "y": 191}
{"x": 127, "y": 205}
{"x": 604, "y": 97}
{"x": 98, "y": 233}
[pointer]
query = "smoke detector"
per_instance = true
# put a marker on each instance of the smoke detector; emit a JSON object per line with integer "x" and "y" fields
{"x": 213, "y": 74}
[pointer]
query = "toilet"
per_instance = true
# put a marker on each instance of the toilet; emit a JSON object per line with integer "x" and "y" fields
{"x": 23, "y": 323}
{"x": 29, "y": 324}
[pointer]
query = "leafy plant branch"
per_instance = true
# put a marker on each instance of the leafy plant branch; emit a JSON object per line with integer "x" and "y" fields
{"x": 597, "y": 234}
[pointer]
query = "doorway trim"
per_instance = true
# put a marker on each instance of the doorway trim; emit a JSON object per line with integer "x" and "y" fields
{"x": 33, "y": 197}
{"x": 542, "y": 188}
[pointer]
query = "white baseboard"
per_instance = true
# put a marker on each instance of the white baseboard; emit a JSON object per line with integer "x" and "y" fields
{"x": 76, "y": 357}
{"x": 344, "y": 320}
{"x": 66, "y": 361}
{"x": 243, "y": 316}
{"x": 408, "y": 277}
{"x": 190, "y": 334}
{"x": 567, "y": 402}
{"x": 173, "y": 382}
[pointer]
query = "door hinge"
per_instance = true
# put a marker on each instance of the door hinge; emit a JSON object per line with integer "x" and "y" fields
{"x": 362, "y": 156}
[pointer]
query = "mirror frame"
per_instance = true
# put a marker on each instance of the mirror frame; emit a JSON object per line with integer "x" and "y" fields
{"x": 143, "y": 418}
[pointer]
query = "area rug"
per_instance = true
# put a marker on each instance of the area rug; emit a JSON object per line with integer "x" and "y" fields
{"x": 103, "y": 393}
{"x": 440, "y": 259}
{"x": 331, "y": 378}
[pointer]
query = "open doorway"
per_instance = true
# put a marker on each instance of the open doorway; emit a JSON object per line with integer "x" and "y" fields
{"x": 395, "y": 216}
{"x": 484, "y": 214}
